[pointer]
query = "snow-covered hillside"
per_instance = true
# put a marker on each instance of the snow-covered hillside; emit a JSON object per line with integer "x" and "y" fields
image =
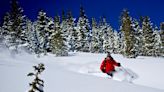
{"x": 70, "y": 74}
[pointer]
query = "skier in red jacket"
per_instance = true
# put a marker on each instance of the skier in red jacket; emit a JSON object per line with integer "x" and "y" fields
{"x": 108, "y": 65}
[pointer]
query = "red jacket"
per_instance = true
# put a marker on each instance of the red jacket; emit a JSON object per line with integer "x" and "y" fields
{"x": 108, "y": 65}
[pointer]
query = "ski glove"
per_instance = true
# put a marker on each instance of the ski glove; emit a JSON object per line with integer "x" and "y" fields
{"x": 119, "y": 64}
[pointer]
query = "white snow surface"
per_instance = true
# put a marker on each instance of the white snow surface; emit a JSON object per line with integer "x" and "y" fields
{"x": 72, "y": 73}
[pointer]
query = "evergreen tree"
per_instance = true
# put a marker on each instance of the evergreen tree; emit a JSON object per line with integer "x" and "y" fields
{"x": 162, "y": 37}
{"x": 35, "y": 39}
{"x": 64, "y": 27}
{"x": 5, "y": 29}
{"x": 29, "y": 33}
{"x": 83, "y": 29}
{"x": 33, "y": 44}
{"x": 95, "y": 37}
{"x": 58, "y": 42}
{"x": 158, "y": 42}
{"x": 71, "y": 32}
{"x": 24, "y": 34}
{"x": 108, "y": 37}
{"x": 105, "y": 35}
{"x": 32, "y": 33}
{"x": 50, "y": 31}
{"x": 42, "y": 27}
{"x": 102, "y": 28}
{"x": 68, "y": 30}
{"x": 17, "y": 25}
{"x": 148, "y": 37}
{"x": 126, "y": 28}
{"x": 37, "y": 84}
{"x": 137, "y": 38}
{"x": 116, "y": 42}
{"x": 1, "y": 36}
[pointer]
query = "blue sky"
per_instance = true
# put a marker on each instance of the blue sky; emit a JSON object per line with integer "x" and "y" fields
{"x": 93, "y": 8}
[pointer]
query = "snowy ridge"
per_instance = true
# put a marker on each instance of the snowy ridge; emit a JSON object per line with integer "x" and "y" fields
{"x": 68, "y": 74}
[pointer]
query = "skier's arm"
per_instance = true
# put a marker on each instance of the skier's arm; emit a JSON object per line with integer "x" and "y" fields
{"x": 116, "y": 63}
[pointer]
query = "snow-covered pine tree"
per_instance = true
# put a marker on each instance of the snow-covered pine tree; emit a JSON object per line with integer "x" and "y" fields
{"x": 111, "y": 39}
{"x": 29, "y": 35}
{"x": 101, "y": 28}
{"x": 42, "y": 26}
{"x": 1, "y": 36}
{"x": 137, "y": 38}
{"x": 83, "y": 29}
{"x": 32, "y": 33}
{"x": 67, "y": 27}
{"x": 116, "y": 42}
{"x": 35, "y": 39}
{"x": 24, "y": 35}
{"x": 17, "y": 25}
{"x": 95, "y": 37}
{"x": 64, "y": 27}
{"x": 50, "y": 31}
{"x": 148, "y": 37}
{"x": 105, "y": 35}
{"x": 162, "y": 37}
{"x": 71, "y": 32}
{"x": 58, "y": 42}
{"x": 108, "y": 37}
{"x": 158, "y": 42}
{"x": 126, "y": 28}
{"x": 74, "y": 40}
{"x": 37, "y": 84}
{"x": 5, "y": 29}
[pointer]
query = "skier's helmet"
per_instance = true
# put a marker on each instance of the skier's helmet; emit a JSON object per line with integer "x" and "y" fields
{"x": 108, "y": 54}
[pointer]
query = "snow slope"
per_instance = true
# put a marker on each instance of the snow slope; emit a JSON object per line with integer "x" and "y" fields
{"x": 70, "y": 74}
